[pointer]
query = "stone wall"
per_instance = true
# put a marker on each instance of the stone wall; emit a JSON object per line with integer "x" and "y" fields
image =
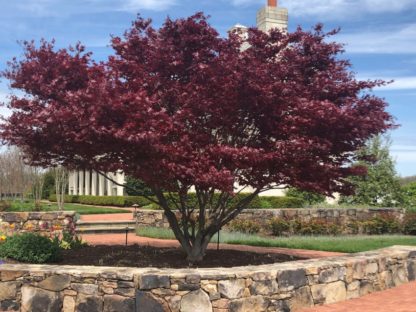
{"x": 275, "y": 287}
{"x": 342, "y": 216}
{"x": 40, "y": 222}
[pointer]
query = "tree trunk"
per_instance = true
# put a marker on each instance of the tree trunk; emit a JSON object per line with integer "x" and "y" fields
{"x": 198, "y": 249}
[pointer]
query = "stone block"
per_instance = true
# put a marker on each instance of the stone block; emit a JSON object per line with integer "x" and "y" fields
{"x": 87, "y": 303}
{"x": 329, "y": 293}
{"x": 196, "y": 301}
{"x": 115, "y": 303}
{"x": 302, "y": 298}
{"x": 371, "y": 268}
{"x": 411, "y": 269}
{"x": 267, "y": 287}
{"x": 126, "y": 292}
{"x": 154, "y": 281}
{"x": 400, "y": 276}
{"x": 291, "y": 279}
{"x": 68, "y": 304}
{"x": 147, "y": 302}
{"x": 40, "y": 300}
{"x": 8, "y": 290}
{"x": 9, "y": 305}
{"x": 11, "y": 275}
{"x": 55, "y": 282}
{"x": 87, "y": 289}
{"x": 250, "y": 304}
{"x": 332, "y": 275}
{"x": 366, "y": 287}
{"x": 232, "y": 289}
{"x": 193, "y": 278}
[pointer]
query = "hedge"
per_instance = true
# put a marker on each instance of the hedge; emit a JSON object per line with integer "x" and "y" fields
{"x": 119, "y": 201}
{"x": 258, "y": 202}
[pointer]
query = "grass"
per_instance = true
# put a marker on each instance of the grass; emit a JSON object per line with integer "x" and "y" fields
{"x": 18, "y": 206}
{"x": 348, "y": 244}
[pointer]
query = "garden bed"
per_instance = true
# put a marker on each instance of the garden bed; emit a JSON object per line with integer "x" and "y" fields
{"x": 147, "y": 256}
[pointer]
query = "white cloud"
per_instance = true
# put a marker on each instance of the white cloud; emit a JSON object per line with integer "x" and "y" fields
{"x": 4, "y": 111}
{"x": 336, "y": 9}
{"x": 400, "y": 82}
{"x": 65, "y": 7}
{"x": 394, "y": 40}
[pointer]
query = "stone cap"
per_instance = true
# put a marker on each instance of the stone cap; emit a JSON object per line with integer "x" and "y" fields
{"x": 130, "y": 273}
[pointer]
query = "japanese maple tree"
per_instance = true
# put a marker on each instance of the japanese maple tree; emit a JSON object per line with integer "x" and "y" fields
{"x": 184, "y": 109}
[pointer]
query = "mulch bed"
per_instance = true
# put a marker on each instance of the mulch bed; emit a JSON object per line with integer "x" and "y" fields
{"x": 147, "y": 256}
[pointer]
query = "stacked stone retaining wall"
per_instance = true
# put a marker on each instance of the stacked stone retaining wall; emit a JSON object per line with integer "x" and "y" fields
{"x": 45, "y": 223}
{"x": 341, "y": 216}
{"x": 279, "y": 287}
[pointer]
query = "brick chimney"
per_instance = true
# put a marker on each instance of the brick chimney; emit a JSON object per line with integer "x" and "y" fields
{"x": 272, "y": 3}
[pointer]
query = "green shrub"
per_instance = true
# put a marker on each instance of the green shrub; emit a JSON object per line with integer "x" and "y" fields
{"x": 283, "y": 201}
{"x": 384, "y": 224}
{"x": 244, "y": 226}
{"x": 119, "y": 201}
{"x": 5, "y": 205}
{"x": 409, "y": 223}
{"x": 258, "y": 202}
{"x": 279, "y": 226}
{"x": 282, "y": 226}
{"x": 30, "y": 247}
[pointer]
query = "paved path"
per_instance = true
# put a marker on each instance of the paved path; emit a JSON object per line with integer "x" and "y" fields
{"x": 399, "y": 299}
{"x": 120, "y": 239}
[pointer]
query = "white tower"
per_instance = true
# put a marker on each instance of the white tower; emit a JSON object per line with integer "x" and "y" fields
{"x": 272, "y": 16}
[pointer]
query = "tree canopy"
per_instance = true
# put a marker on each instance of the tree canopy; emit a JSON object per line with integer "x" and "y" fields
{"x": 183, "y": 108}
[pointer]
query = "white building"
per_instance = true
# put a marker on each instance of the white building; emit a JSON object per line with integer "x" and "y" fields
{"x": 87, "y": 182}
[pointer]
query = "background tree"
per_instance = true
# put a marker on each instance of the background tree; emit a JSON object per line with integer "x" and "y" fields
{"x": 380, "y": 186}
{"x": 409, "y": 195}
{"x": 61, "y": 183}
{"x": 49, "y": 184}
{"x": 309, "y": 198}
{"x": 136, "y": 187}
{"x": 183, "y": 109}
{"x": 37, "y": 177}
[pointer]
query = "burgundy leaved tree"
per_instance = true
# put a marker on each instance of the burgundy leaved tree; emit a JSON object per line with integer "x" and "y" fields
{"x": 184, "y": 109}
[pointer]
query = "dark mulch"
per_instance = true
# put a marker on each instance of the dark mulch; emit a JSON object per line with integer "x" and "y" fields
{"x": 147, "y": 256}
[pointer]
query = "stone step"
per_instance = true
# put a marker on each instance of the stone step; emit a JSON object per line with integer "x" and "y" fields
{"x": 95, "y": 227}
{"x": 109, "y": 224}
{"x": 97, "y": 230}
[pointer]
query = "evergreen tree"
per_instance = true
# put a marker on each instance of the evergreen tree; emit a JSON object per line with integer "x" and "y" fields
{"x": 380, "y": 186}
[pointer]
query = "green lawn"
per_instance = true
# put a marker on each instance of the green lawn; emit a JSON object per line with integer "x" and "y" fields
{"x": 348, "y": 244}
{"x": 18, "y": 206}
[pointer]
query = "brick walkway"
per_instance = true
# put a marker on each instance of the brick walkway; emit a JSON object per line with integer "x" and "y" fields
{"x": 399, "y": 299}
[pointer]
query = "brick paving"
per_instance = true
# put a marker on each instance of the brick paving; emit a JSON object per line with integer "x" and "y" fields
{"x": 398, "y": 299}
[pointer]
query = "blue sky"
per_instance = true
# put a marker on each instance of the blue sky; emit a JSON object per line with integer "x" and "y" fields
{"x": 380, "y": 38}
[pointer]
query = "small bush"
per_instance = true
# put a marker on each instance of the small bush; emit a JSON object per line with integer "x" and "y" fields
{"x": 29, "y": 247}
{"x": 283, "y": 201}
{"x": 69, "y": 240}
{"x": 118, "y": 201}
{"x": 385, "y": 224}
{"x": 244, "y": 226}
{"x": 279, "y": 226}
{"x": 409, "y": 223}
{"x": 5, "y": 205}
